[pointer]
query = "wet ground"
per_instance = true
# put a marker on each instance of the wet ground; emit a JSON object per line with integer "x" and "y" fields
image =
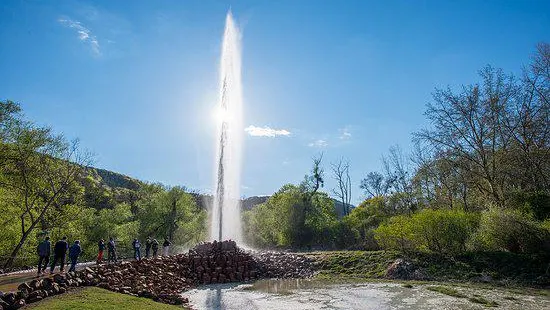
{"x": 305, "y": 294}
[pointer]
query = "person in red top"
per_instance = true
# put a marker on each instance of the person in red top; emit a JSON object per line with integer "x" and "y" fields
{"x": 101, "y": 248}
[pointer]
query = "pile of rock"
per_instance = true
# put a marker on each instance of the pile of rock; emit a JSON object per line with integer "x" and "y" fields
{"x": 33, "y": 291}
{"x": 159, "y": 279}
{"x": 221, "y": 262}
{"x": 284, "y": 265}
{"x": 402, "y": 269}
{"x": 163, "y": 279}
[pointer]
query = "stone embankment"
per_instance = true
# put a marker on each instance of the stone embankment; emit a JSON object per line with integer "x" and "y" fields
{"x": 163, "y": 279}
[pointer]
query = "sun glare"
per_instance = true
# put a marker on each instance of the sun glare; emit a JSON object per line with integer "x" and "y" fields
{"x": 221, "y": 115}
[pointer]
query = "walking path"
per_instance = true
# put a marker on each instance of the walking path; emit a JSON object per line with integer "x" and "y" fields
{"x": 9, "y": 281}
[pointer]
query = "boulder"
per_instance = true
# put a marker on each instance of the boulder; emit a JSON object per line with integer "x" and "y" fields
{"x": 404, "y": 270}
{"x": 58, "y": 278}
{"x": 20, "y": 303}
{"x": 24, "y": 286}
{"x": 9, "y": 298}
{"x": 34, "y": 297}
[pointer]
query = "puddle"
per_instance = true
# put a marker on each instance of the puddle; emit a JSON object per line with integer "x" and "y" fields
{"x": 314, "y": 294}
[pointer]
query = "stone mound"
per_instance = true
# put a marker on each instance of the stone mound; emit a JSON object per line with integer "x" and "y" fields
{"x": 284, "y": 265}
{"x": 163, "y": 279}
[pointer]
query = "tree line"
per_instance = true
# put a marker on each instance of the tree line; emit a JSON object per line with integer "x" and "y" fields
{"x": 477, "y": 179}
{"x": 48, "y": 188}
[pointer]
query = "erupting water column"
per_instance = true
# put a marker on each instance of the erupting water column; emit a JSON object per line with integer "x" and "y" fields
{"x": 226, "y": 219}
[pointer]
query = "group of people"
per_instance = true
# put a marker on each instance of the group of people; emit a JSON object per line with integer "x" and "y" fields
{"x": 150, "y": 244}
{"x": 61, "y": 248}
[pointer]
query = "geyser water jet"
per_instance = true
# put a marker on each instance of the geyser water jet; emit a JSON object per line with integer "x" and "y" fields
{"x": 225, "y": 215}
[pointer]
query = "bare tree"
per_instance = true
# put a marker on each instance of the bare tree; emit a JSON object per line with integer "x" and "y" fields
{"x": 374, "y": 184}
{"x": 340, "y": 172}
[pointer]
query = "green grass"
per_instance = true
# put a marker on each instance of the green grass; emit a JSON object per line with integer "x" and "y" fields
{"x": 355, "y": 264}
{"x": 447, "y": 291}
{"x": 478, "y": 299}
{"x": 504, "y": 268}
{"x": 483, "y": 301}
{"x": 407, "y": 285}
{"x": 93, "y": 298}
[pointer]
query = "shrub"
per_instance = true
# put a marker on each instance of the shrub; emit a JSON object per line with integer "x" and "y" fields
{"x": 511, "y": 230}
{"x": 534, "y": 203}
{"x": 444, "y": 231}
{"x": 396, "y": 234}
{"x": 440, "y": 231}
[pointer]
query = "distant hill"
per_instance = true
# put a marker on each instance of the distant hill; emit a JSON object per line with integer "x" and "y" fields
{"x": 105, "y": 188}
{"x": 113, "y": 179}
{"x": 340, "y": 210}
{"x": 205, "y": 201}
{"x": 251, "y": 202}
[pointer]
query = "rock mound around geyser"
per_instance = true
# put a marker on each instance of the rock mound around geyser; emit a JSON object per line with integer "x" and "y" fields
{"x": 163, "y": 279}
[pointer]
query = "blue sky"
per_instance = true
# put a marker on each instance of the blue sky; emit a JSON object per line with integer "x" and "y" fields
{"x": 136, "y": 81}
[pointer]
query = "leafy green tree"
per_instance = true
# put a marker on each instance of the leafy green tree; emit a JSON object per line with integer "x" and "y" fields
{"x": 441, "y": 231}
{"x": 171, "y": 213}
{"x": 363, "y": 219}
{"x": 511, "y": 230}
{"x": 40, "y": 169}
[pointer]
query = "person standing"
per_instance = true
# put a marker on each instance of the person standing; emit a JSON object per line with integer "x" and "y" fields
{"x": 100, "y": 250}
{"x": 74, "y": 253}
{"x": 59, "y": 252}
{"x": 137, "y": 249}
{"x": 155, "y": 247}
{"x": 166, "y": 247}
{"x": 43, "y": 251}
{"x": 111, "y": 251}
{"x": 147, "y": 247}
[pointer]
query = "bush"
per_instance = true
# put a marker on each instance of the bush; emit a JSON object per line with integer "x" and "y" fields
{"x": 535, "y": 203}
{"x": 511, "y": 230}
{"x": 396, "y": 234}
{"x": 444, "y": 231}
{"x": 440, "y": 231}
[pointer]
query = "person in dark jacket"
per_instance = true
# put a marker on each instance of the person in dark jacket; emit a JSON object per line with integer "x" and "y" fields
{"x": 43, "y": 251}
{"x": 166, "y": 247}
{"x": 155, "y": 247}
{"x": 148, "y": 244}
{"x": 111, "y": 251}
{"x": 74, "y": 253}
{"x": 59, "y": 252}
{"x": 100, "y": 250}
{"x": 137, "y": 249}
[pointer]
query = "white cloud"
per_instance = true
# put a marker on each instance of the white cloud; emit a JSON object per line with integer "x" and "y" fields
{"x": 318, "y": 143}
{"x": 345, "y": 133}
{"x": 84, "y": 34}
{"x": 266, "y": 131}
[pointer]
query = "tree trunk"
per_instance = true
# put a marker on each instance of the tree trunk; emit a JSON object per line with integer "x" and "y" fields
{"x": 15, "y": 251}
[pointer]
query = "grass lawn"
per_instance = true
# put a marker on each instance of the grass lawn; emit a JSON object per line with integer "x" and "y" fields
{"x": 506, "y": 268}
{"x": 94, "y": 298}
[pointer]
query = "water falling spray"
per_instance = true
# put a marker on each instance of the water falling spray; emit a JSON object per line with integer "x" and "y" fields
{"x": 226, "y": 219}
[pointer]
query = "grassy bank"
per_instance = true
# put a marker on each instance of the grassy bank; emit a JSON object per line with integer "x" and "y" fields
{"x": 499, "y": 268}
{"x": 93, "y": 298}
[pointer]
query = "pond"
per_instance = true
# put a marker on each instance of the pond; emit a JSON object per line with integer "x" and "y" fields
{"x": 310, "y": 294}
